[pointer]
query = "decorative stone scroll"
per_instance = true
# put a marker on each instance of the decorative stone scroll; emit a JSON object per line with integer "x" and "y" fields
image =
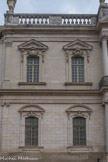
{"x": 32, "y": 48}
{"x": 77, "y": 49}
{"x": 79, "y": 110}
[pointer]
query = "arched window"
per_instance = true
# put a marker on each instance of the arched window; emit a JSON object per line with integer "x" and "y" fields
{"x": 77, "y": 69}
{"x": 79, "y": 131}
{"x": 31, "y": 131}
{"x": 33, "y": 69}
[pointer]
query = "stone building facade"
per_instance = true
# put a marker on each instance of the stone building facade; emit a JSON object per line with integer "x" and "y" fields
{"x": 54, "y": 86}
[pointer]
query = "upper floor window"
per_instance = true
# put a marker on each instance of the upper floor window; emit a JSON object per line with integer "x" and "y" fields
{"x": 33, "y": 69}
{"x": 31, "y": 131}
{"x": 77, "y": 69}
{"x": 79, "y": 131}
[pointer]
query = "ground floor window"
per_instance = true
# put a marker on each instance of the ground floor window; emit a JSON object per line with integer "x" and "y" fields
{"x": 31, "y": 131}
{"x": 79, "y": 131}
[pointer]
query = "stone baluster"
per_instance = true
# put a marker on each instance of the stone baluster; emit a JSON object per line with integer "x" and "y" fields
{"x": 76, "y": 20}
{"x": 21, "y": 22}
{"x": 46, "y": 20}
{"x": 37, "y": 19}
{"x": 25, "y": 20}
{"x": 80, "y": 21}
{"x": 33, "y": 19}
{"x": 68, "y": 20}
{"x": 29, "y": 20}
{"x": 41, "y": 19}
{"x": 64, "y": 20}
{"x": 84, "y": 21}
{"x": 72, "y": 20}
{"x": 88, "y": 21}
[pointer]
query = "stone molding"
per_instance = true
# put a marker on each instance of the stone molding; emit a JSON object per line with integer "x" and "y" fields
{"x": 79, "y": 110}
{"x": 78, "y": 84}
{"x": 35, "y": 148}
{"x": 32, "y": 110}
{"x": 32, "y": 48}
{"x": 32, "y": 84}
{"x": 77, "y": 49}
{"x": 79, "y": 148}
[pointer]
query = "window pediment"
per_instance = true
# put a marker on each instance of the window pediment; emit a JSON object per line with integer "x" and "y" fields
{"x": 79, "y": 110}
{"x": 77, "y": 44}
{"x": 33, "y": 48}
{"x": 32, "y": 110}
{"x": 77, "y": 49}
{"x": 32, "y": 44}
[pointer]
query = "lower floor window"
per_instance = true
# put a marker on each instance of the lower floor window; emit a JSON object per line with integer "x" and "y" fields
{"x": 31, "y": 131}
{"x": 79, "y": 131}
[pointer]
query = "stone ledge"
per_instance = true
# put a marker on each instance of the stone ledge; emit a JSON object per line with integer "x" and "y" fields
{"x": 32, "y": 84}
{"x": 78, "y": 84}
{"x": 31, "y": 148}
{"x": 79, "y": 148}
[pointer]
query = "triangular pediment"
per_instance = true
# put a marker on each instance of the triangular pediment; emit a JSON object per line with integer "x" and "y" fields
{"x": 78, "y": 44}
{"x": 33, "y": 44}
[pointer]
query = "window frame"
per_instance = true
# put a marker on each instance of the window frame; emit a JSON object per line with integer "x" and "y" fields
{"x": 79, "y": 128}
{"x": 31, "y": 133}
{"x": 32, "y": 65}
{"x": 31, "y": 111}
{"x": 24, "y": 69}
{"x": 77, "y": 67}
{"x": 78, "y": 110}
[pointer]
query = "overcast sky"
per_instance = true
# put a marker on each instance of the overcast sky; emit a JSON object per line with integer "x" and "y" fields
{"x": 51, "y": 6}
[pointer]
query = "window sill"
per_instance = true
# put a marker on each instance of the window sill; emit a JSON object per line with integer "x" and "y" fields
{"x": 31, "y": 148}
{"x": 79, "y": 148}
{"x": 78, "y": 84}
{"x": 32, "y": 84}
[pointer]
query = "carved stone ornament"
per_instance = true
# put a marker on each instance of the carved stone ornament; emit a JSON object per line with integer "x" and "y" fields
{"x": 8, "y": 44}
{"x": 11, "y": 5}
{"x": 32, "y": 48}
{"x": 79, "y": 110}
{"x": 102, "y": 1}
{"x": 77, "y": 49}
{"x": 32, "y": 110}
{"x": 7, "y": 104}
{"x": 105, "y": 100}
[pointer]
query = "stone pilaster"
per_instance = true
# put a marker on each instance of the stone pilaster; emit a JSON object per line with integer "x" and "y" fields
{"x": 105, "y": 56}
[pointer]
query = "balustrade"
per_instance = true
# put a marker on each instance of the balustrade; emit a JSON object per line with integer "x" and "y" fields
{"x": 24, "y": 20}
{"x": 76, "y": 20}
{"x": 51, "y": 19}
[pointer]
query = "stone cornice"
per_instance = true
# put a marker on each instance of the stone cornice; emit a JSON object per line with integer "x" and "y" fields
{"x": 35, "y": 92}
{"x": 48, "y": 29}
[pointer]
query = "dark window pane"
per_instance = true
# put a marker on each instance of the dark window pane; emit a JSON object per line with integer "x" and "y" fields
{"x": 77, "y": 69}
{"x": 79, "y": 131}
{"x": 33, "y": 69}
{"x": 31, "y": 131}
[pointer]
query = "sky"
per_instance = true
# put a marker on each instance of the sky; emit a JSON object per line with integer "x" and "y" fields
{"x": 51, "y": 6}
